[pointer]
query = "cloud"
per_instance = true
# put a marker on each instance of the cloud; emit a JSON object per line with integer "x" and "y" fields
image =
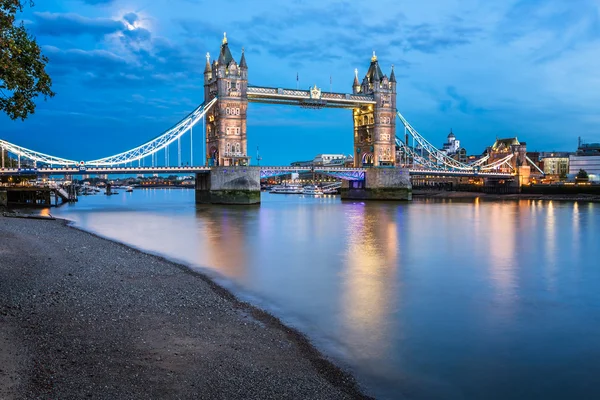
{"x": 131, "y": 17}
{"x": 428, "y": 38}
{"x": 84, "y": 60}
{"x": 56, "y": 24}
{"x": 457, "y": 101}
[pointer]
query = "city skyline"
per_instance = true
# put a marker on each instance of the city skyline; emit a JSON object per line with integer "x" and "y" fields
{"x": 484, "y": 70}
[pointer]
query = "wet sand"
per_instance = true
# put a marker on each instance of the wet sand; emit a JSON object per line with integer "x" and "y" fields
{"x": 84, "y": 317}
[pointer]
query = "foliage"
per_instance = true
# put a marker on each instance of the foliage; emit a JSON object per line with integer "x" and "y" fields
{"x": 582, "y": 174}
{"x": 22, "y": 65}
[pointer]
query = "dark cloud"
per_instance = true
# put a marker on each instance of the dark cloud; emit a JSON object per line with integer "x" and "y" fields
{"x": 459, "y": 102}
{"x": 431, "y": 39}
{"x": 306, "y": 34}
{"x": 137, "y": 35}
{"x": 144, "y": 62}
{"x": 565, "y": 25}
{"x": 83, "y": 60}
{"x": 131, "y": 17}
{"x": 56, "y": 24}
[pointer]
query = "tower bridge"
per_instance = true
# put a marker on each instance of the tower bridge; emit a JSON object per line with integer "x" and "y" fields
{"x": 383, "y": 162}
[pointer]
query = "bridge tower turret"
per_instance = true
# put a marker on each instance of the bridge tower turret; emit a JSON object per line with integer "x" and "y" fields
{"x": 225, "y": 132}
{"x": 375, "y": 124}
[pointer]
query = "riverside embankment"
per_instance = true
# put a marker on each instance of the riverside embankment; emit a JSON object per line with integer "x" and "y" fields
{"x": 84, "y": 317}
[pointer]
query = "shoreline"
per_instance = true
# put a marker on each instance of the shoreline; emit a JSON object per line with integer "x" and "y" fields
{"x": 432, "y": 194}
{"x": 323, "y": 371}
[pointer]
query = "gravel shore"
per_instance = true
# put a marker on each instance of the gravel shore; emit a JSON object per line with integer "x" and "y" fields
{"x": 84, "y": 317}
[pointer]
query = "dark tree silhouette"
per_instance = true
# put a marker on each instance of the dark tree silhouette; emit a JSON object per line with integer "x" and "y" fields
{"x": 23, "y": 74}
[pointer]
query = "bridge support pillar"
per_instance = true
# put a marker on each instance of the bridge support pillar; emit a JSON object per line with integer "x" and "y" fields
{"x": 385, "y": 183}
{"x": 524, "y": 173}
{"x": 229, "y": 185}
{"x": 3, "y": 198}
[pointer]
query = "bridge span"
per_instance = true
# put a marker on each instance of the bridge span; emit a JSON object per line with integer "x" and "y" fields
{"x": 344, "y": 173}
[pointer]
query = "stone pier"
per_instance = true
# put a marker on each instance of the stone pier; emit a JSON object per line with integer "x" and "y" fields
{"x": 3, "y": 198}
{"x": 228, "y": 185}
{"x": 383, "y": 183}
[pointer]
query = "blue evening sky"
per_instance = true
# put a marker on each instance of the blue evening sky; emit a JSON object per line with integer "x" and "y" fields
{"x": 125, "y": 70}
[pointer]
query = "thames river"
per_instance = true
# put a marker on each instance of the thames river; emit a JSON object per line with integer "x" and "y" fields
{"x": 422, "y": 300}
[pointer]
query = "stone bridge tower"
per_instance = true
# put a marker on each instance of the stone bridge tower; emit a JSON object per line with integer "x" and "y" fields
{"x": 225, "y": 131}
{"x": 375, "y": 125}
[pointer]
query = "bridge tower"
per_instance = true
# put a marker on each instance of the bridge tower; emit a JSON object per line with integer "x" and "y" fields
{"x": 375, "y": 124}
{"x": 225, "y": 131}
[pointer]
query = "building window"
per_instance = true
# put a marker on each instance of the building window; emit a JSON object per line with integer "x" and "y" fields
{"x": 228, "y": 147}
{"x": 237, "y": 147}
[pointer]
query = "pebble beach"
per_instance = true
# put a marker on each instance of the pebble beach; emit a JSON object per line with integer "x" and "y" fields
{"x": 84, "y": 317}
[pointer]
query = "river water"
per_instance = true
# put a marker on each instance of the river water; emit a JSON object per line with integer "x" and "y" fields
{"x": 430, "y": 299}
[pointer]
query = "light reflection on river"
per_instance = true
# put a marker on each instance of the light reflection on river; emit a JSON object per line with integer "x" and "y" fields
{"x": 429, "y": 299}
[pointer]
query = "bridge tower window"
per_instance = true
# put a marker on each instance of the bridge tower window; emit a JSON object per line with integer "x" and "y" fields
{"x": 228, "y": 147}
{"x": 237, "y": 147}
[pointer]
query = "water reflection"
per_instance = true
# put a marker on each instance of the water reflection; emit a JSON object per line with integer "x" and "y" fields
{"x": 369, "y": 284}
{"x": 501, "y": 244}
{"x": 222, "y": 237}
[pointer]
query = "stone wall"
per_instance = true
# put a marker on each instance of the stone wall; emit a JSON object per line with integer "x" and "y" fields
{"x": 381, "y": 184}
{"x": 229, "y": 185}
{"x": 3, "y": 198}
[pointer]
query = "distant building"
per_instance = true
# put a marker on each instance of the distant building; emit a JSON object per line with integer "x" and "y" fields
{"x": 452, "y": 146}
{"x": 323, "y": 160}
{"x": 302, "y": 163}
{"x": 326, "y": 159}
{"x": 555, "y": 164}
{"x": 586, "y": 158}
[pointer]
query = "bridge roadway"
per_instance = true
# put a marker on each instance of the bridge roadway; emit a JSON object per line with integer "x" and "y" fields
{"x": 342, "y": 172}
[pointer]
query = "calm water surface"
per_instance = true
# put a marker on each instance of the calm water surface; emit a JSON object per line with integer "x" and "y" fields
{"x": 426, "y": 300}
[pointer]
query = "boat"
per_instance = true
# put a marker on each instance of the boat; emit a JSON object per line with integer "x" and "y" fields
{"x": 129, "y": 189}
{"x": 287, "y": 189}
{"x": 330, "y": 191}
{"x": 312, "y": 190}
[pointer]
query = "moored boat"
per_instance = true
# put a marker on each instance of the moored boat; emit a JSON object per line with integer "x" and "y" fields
{"x": 287, "y": 189}
{"x": 312, "y": 190}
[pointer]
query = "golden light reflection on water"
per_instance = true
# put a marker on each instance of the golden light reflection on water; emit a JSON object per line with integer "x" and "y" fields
{"x": 368, "y": 293}
{"x": 222, "y": 245}
{"x": 576, "y": 223}
{"x": 502, "y": 249}
{"x": 550, "y": 245}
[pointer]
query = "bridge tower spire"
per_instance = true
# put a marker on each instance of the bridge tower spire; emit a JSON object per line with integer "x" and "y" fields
{"x": 375, "y": 124}
{"x": 225, "y": 131}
